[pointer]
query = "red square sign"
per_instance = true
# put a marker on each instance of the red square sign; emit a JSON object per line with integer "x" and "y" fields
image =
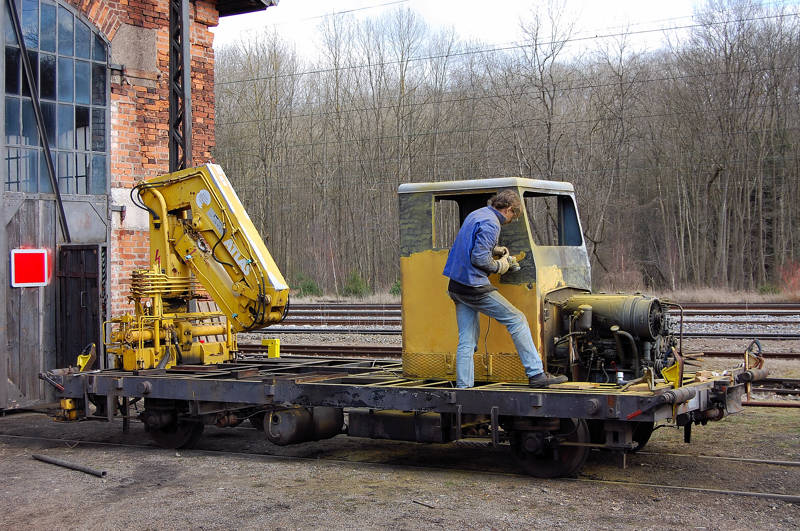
{"x": 29, "y": 268}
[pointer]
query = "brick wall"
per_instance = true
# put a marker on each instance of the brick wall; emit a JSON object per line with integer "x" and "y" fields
{"x": 139, "y": 109}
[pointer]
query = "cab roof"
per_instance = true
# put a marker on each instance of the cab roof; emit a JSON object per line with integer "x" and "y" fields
{"x": 493, "y": 184}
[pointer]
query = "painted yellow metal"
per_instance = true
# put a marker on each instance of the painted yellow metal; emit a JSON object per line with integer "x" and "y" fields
{"x": 429, "y": 316}
{"x": 69, "y": 409}
{"x": 550, "y": 278}
{"x": 430, "y": 332}
{"x": 200, "y": 238}
{"x": 273, "y": 347}
{"x": 212, "y": 237}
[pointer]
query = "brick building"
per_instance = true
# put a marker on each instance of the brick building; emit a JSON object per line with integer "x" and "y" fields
{"x": 101, "y": 105}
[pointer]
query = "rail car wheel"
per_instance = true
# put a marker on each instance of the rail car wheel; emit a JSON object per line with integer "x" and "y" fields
{"x": 540, "y": 453}
{"x": 179, "y": 434}
{"x": 641, "y": 434}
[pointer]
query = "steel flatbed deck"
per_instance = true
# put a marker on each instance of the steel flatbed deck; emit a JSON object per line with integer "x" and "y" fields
{"x": 381, "y": 403}
{"x": 378, "y": 384}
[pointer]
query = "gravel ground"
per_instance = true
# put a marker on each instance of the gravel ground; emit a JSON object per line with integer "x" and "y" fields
{"x": 362, "y": 484}
{"x": 236, "y": 479}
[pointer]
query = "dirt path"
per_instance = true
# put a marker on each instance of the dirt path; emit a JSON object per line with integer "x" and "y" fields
{"x": 237, "y": 480}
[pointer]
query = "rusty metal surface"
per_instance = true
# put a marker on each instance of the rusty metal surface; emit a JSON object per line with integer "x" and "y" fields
{"x": 349, "y": 383}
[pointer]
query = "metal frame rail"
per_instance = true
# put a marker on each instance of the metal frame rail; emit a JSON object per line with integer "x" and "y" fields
{"x": 359, "y": 383}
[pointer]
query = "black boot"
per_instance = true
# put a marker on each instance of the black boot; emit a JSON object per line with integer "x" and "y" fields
{"x": 545, "y": 379}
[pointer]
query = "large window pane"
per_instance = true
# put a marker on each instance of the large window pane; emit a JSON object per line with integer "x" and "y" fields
{"x": 98, "y": 85}
{"x": 99, "y": 51}
{"x": 82, "y": 128}
{"x": 65, "y": 170}
{"x": 45, "y": 186}
{"x": 11, "y": 36}
{"x": 98, "y": 184}
{"x": 83, "y": 89}
{"x": 12, "y": 170}
{"x": 30, "y": 131}
{"x": 49, "y": 115}
{"x": 33, "y": 57}
{"x": 83, "y": 40}
{"x": 47, "y": 39}
{"x": 98, "y": 130}
{"x": 30, "y": 23}
{"x": 68, "y": 61}
{"x": 47, "y": 76}
{"x": 82, "y": 173}
{"x": 12, "y": 121}
{"x": 66, "y": 79}
{"x": 66, "y": 30}
{"x": 13, "y": 68}
{"x": 66, "y": 127}
{"x": 29, "y": 170}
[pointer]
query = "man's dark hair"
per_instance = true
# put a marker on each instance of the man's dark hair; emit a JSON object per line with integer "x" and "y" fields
{"x": 507, "y": 198}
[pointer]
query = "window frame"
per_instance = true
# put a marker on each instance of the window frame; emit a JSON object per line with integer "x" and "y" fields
{"x": 87, "y": 152}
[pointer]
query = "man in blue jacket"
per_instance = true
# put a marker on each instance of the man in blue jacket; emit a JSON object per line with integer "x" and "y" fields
{"x": 468, "y": 266}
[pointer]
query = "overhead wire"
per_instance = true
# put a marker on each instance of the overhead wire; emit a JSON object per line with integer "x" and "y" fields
{"x": 506, "y": 47}
{"x": 476, "y": 98}
{"x": 495, "y": 129}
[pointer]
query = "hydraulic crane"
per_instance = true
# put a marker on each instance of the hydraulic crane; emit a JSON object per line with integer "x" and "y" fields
{"x": 201, "y": 238}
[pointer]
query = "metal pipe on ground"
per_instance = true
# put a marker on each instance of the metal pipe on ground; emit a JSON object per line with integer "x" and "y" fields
{"x": 73, "y": 466}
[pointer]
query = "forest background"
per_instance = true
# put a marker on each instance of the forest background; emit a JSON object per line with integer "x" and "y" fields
{"x": 685, "y": 159}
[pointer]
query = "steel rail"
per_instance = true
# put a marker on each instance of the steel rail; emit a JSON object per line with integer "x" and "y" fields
{"x": 768, "y": 355}
{"x": 692, "y": 306}
{"x": 771, "y": 496}
{"x": 741, "y": 305}
{"x": 743, "y": 335}
{"x": 771, "y": 403}
{"x": 725, "y": 458}
{"x": 383, "y": 330}
{"x": 282, "y": 329}
{"x": 303, "y": 317}
{"x": 744, "y": 306}
{"x": 367, "y": 351}
{"x": 395, "y": 351}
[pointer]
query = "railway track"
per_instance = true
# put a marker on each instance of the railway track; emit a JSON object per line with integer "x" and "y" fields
{"x": 710, "y": 308}
{"x": 778, "y": 386}
{"x": 359, "y": 351}
{"x": 395, "y": 351}
{"x": 769, "y": 321}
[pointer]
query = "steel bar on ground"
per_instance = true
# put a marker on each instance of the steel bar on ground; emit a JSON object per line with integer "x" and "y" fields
{"x": 73, "y": 466}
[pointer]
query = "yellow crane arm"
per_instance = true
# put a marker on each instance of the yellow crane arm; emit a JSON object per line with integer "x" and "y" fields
{"x": 198, "y": 225}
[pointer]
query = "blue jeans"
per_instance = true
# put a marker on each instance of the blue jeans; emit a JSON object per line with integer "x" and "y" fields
{"x": 496, "y": 307}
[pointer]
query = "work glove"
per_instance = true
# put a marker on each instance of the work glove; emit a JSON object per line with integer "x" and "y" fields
{"x": 500, "y": 251}
{"x": 502, "y": 265}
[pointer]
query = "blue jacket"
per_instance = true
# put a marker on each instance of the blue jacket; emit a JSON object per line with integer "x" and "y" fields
{"x": 470, "y": 261}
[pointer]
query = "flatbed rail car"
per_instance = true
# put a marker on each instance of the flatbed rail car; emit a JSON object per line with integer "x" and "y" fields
{"x": 621, "y": 353}
{"x": 298, "y": 399}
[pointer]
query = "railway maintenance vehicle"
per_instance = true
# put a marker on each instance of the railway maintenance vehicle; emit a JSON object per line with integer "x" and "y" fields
{"x": 622, "y": 353}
